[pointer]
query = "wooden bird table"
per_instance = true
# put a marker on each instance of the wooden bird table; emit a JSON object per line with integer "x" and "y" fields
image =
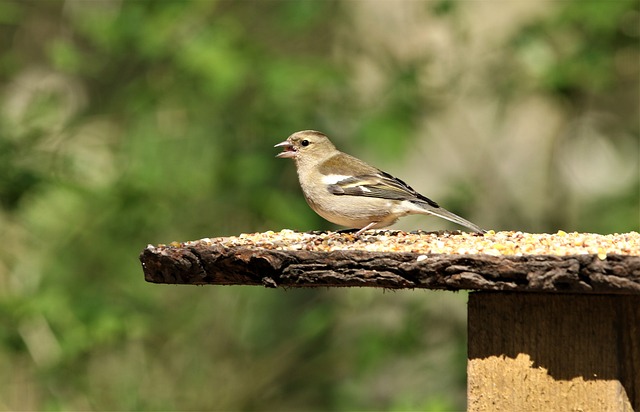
{"x": 553, "y": 319}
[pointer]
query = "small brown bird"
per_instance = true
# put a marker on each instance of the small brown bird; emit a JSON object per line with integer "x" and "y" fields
{"x": 348, "y": 192}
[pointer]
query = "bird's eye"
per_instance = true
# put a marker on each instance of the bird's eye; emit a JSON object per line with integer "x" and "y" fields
{"x": 305, "y": 142}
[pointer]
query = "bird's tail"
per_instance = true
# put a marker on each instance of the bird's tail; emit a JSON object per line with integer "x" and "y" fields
{"x": 452, "y": 217}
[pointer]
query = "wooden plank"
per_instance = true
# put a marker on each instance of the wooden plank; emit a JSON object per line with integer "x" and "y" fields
{"x": 547, "y": 332}
{"x": 201, "y": 263}
{"x": 551, "y": 352}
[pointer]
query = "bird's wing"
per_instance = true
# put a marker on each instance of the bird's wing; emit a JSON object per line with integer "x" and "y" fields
{"x": 379, "y": 184}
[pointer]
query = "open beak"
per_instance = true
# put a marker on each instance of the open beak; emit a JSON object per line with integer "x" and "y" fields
{"x": 288, "y": 150}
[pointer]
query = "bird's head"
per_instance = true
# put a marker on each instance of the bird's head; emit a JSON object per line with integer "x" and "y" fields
{"x": 307, "y": 143}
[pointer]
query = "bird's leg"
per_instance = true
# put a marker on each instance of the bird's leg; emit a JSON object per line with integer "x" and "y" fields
{"x": 367, "y": 227}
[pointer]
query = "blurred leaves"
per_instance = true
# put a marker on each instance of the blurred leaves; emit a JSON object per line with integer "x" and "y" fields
{"x": 577, "y": 50}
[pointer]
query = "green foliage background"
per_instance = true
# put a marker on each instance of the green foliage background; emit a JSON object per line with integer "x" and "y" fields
{"x": 124, "y": 123}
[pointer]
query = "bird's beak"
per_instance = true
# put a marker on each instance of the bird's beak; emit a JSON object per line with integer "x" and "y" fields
{"x": 288, "y": 150}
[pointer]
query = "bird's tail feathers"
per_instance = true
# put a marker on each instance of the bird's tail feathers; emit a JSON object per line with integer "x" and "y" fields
{"x": 452, "y": 217}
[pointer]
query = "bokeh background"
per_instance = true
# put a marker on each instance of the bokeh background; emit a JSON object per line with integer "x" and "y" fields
{"x": 124, "y": 123}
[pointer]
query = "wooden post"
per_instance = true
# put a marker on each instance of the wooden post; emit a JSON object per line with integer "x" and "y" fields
{"x": 546, "y": 332}
{"x": 553, "y": 352}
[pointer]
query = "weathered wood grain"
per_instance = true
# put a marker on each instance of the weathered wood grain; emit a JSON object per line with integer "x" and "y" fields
{"x": 551, "y": 352}
{"x": 219, "y": 265}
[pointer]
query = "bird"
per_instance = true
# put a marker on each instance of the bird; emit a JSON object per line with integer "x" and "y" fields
{"x": 349, "y": 192}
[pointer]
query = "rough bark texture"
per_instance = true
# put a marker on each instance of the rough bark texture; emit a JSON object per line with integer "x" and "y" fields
{"x": 218, "y": 265}
{"x": 550, "y": 352}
